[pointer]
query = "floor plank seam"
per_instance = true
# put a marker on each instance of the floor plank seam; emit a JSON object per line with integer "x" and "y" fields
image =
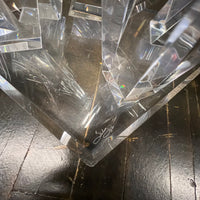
{"x": 169, "y": 150}
{"x": 74, "y": 179}
{"x": 13, "y": 185}
{"x": 5, "y": 145}
{"x": 191, "y": 138}
{"x": 125, "y": 170}
{"x": 36, "y": 194}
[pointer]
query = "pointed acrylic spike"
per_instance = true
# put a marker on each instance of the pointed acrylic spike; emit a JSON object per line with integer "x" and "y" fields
{"x": 168, "y": 66}
{"x": 166, "y": 19}
{"x": 19, "y": 26}
{"x": 50, "y": 9}
{"x": 8, "y": 22}
{"x": 115, "y": 16}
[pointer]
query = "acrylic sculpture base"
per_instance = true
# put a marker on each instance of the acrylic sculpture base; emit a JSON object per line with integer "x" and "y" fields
{"x": 127, "y": 122}
{"x": 80, "y": 109}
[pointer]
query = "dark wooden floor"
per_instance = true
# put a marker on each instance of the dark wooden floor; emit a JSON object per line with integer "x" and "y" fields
{"x": 160, "y": 161}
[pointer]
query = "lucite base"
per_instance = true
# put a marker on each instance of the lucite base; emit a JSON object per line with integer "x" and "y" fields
{"x": 107, "y": 138}
{"x": 166, "y": 19}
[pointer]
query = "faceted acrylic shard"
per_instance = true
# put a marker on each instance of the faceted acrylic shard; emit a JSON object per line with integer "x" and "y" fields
{"x": 115, "y": 16}
{"x": 86, "y": 10}
{"x": 25, "y": 17}
{"x": 53, "y": 37}
{"x": 169, "y": 66}
{"x": 8, "y": 22}
{"x": 126, "y": 50}
{"x": 166, "y": 19}
{"x": 87, "y": 16}
{"x": 137, "y": 68}
{"x": 119, "y": 70}
{"x": 86, "y": 28}
{"x": 50, "y": 9}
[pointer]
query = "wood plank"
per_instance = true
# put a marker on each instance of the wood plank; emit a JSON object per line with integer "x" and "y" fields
{"x": 48, "y": 168}
{"x": 181, "y": 148}
{"x": 15, "y": 124}
{"x": 105, "y": 180}
{"x": 29, "y": 196}
{"x": 148, "y": 176}
{"x": 194, "y": 106}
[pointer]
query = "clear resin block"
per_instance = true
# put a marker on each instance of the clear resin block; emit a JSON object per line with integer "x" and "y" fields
{"x": 8, "y": 23}
{"x": 50, "y": 9}
{"x": 53, "y": 37}
{"x": 86, "y": 28}
{"x": 166, "y": 19}
{"x": 67, "y": 92}
{"x": 20, "y": 18}
{"x": 87, "y": 16}
{"x": 115, "y": 16}
{"x": 139, "y": 70}
{"x": 169, "y": 65}
{"x": 86, "y": 9}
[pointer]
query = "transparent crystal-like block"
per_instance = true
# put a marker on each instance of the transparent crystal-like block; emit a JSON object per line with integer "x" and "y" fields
{"x": 50, "y": 9}
{"x": 69, "y": 94}
{"x": 128, "y": 70}
{"x": 8, "y": 22}
{"x": 23, "y": 19}
{"x": 115, "y": 16}
{"x": 123, "y": 42}
{"x": 53, "y": 37}
{"x": 125, "y": 62}
{"x": 86, "y": 9}
{"x": 166, "y": 19}
{"x": 90, "y": 127}
{"x": 179, "y": 44}
{"x": 86, "y": 28}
